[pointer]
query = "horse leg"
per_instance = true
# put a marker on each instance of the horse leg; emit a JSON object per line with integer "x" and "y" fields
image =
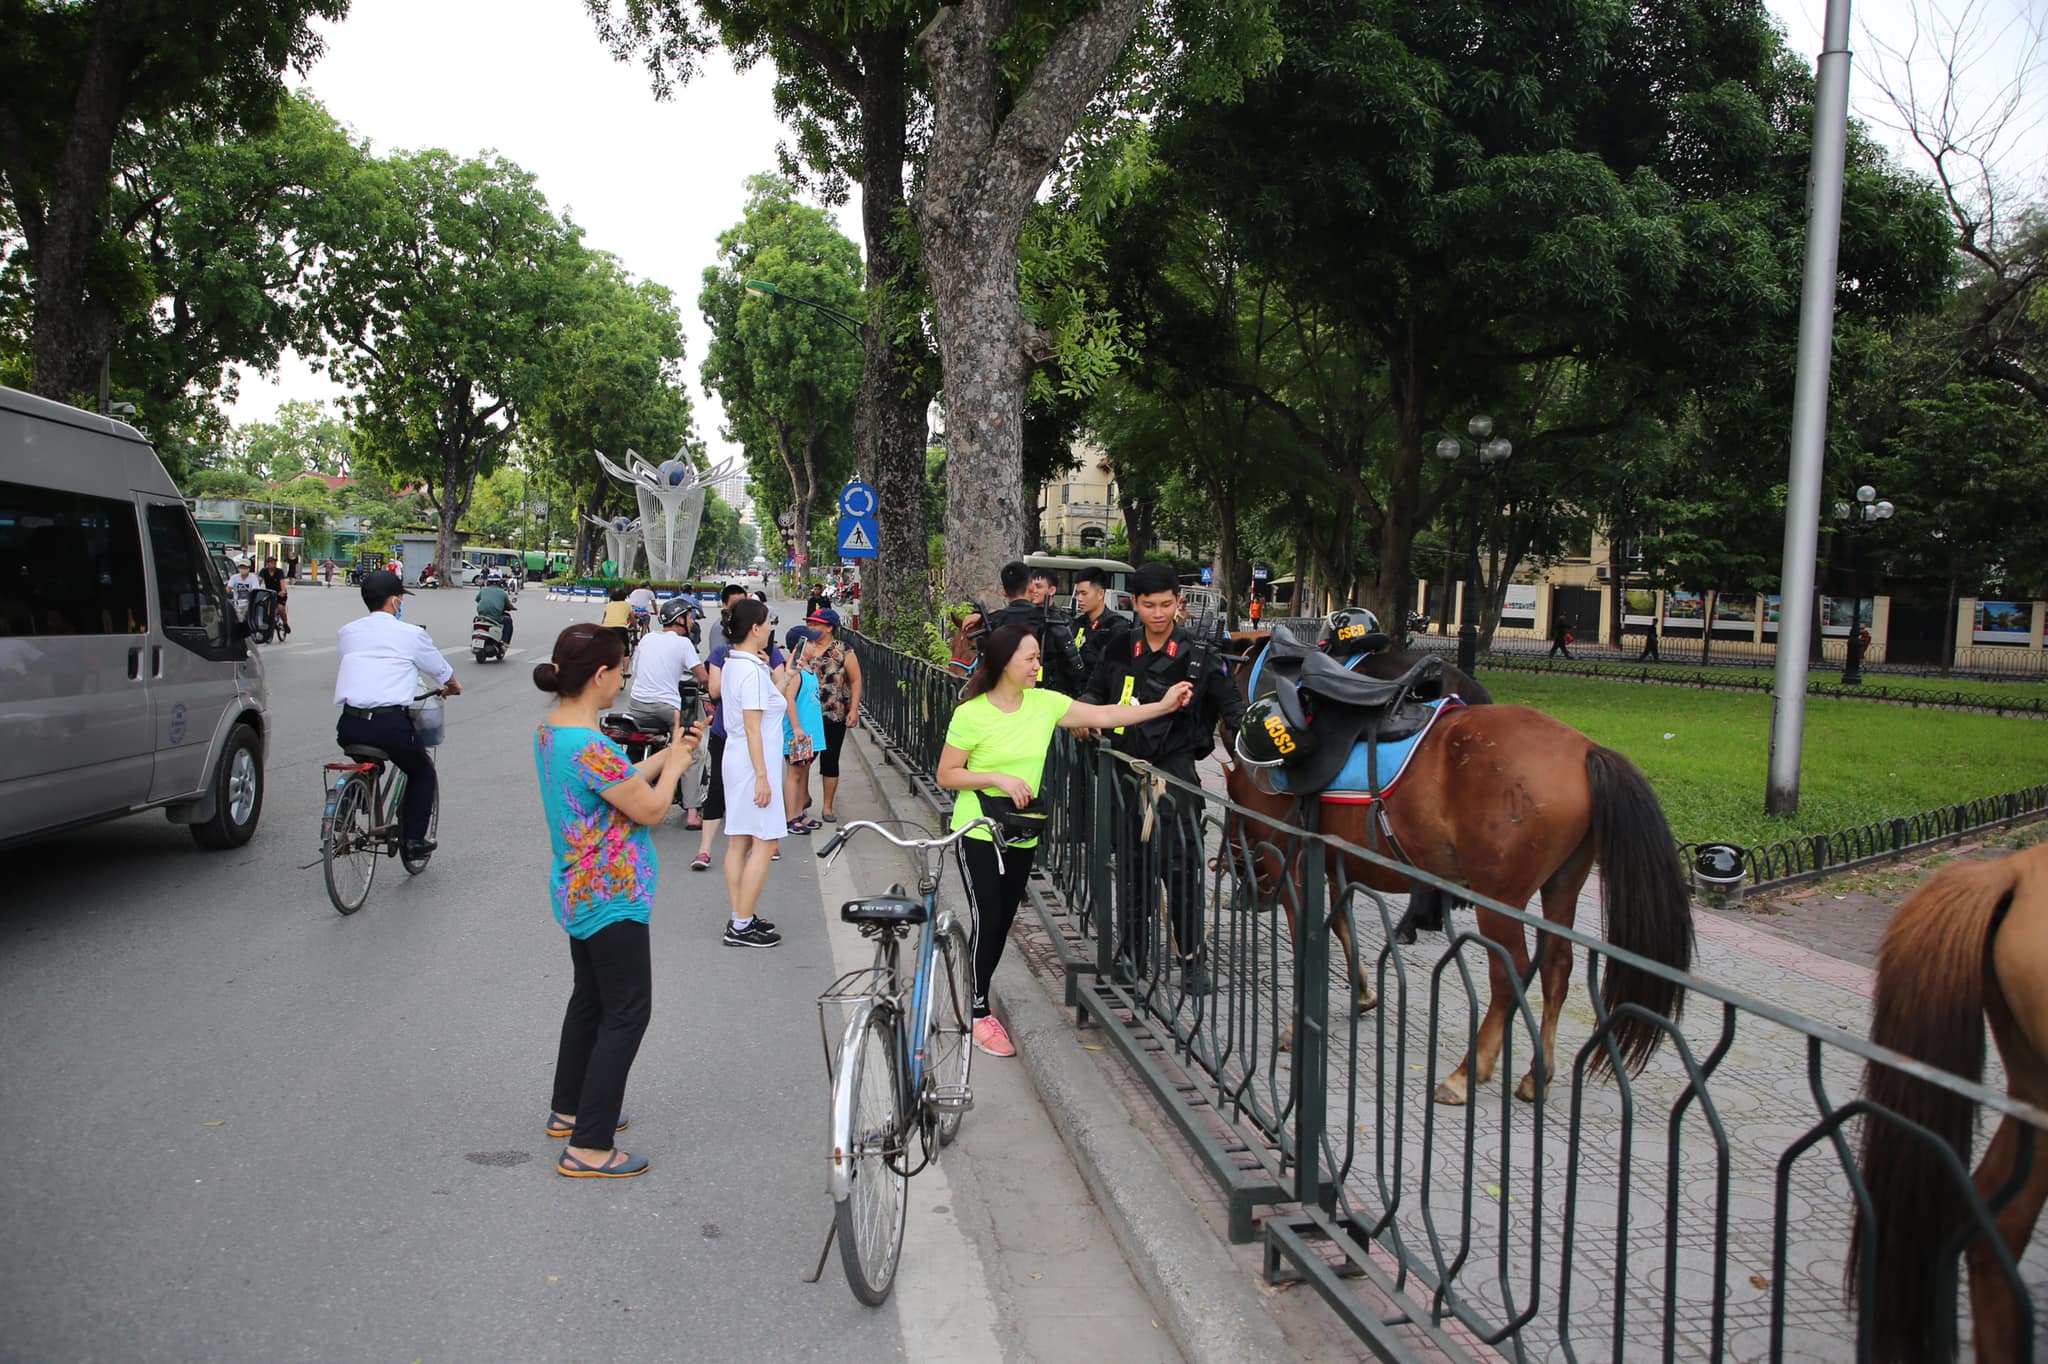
{"x": 1503, "y": 979}
{"x": 1992, "y": 1310}
{"x": 1554, "y": 957}
{"x": 1340, "y": 924}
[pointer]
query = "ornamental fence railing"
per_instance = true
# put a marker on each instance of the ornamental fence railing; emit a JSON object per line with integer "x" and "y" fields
{"x": 1991, "y": 661}
{"x": 1699, "y": 1209}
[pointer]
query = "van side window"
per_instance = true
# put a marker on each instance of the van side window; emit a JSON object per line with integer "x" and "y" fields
{"x": 69, "y": 564}
{"x": 193, "y": 602}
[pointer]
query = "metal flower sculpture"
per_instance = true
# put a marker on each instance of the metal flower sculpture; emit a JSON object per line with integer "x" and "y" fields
{"x": 622, "y": 541}
{"x": 671, "y": 498}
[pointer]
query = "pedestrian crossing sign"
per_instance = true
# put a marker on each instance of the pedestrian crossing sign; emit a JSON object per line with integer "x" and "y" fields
{"x": 857, "y": 537}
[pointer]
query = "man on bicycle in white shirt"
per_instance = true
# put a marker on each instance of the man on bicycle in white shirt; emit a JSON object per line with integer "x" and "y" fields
{"x": 381, "y": 658}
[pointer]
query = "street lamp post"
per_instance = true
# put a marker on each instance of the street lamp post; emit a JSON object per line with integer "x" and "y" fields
{"x": 761, "y": 288}
{"x": 1857, "y": 519}
{"x": 1490, "y": 453}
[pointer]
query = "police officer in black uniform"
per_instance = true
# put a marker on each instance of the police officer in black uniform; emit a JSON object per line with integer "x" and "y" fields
{"x": 1060, "y": 667}
{"x": 1146, "y": 661}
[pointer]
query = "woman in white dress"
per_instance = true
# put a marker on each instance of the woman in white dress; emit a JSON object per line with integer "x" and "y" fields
{"x": 754, "y": 708}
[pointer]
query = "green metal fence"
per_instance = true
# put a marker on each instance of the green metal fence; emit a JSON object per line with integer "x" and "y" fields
{"x": 1697, "y": 1210}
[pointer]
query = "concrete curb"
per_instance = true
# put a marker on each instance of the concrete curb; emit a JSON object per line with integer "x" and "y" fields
{"x": 1211, "y": 1309}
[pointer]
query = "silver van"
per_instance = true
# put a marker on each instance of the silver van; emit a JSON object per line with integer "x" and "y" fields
{"x": 125, "y": 681}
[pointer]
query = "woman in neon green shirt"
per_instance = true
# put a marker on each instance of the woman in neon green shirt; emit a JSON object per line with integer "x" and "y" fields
{"x": 995, "y": 750}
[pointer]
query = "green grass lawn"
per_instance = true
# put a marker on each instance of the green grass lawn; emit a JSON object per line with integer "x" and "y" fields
{"x": 1874, "y": 684}
{"x": 1862, "y": 762}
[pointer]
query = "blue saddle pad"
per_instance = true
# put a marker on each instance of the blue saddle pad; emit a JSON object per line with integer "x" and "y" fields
{"x": 1354, "y": 782}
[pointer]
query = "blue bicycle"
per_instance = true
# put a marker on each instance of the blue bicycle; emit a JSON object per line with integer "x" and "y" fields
{"x": 899, "y": 1078}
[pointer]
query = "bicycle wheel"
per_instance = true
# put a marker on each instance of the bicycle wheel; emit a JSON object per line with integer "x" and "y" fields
{"x": 870, "y": 1218}
{"x": 418, "y": 864}
{"x": 949, "y": 1051}
{"x": 348, "y": 850}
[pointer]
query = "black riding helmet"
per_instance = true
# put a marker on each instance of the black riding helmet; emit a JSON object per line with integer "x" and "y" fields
{"x": 1267, "y": 739}
{"x": 1349, "y": 631}
{"x": 674, "y": 611}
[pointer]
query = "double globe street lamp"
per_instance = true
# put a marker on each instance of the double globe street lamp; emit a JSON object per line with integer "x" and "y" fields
{"x": 1858, "y": 518}
{"x": 1492, "y": 451}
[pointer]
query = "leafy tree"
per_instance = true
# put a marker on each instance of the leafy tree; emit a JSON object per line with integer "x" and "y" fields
{"x": 786, "y": 373}
{"x": 613, "y": 382}
{"x": 442, "y": 312}
{"x": 847, "y": 85}
{"x": 1457, "y": 196}
{"x": 77, "y": 75}
{"x": 304, "y": 438}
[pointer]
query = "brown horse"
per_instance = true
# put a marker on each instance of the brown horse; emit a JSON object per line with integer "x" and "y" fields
{"x": 1970, "y": 944}
{"x": 1507, "y": 802}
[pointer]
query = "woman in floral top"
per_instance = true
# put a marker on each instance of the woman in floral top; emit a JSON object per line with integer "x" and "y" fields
{"x": 599, "y": 807}
{"x": 839, "y": 692}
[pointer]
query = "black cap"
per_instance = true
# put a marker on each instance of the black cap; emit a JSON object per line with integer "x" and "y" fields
{"x": 381, "y": 585}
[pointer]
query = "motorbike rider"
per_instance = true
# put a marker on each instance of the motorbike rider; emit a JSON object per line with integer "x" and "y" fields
{"x": 495, "y": 604}
{"x": 240, "y": 586}
{"x": 659, "y": 664}
{"x": 375, "y": 680}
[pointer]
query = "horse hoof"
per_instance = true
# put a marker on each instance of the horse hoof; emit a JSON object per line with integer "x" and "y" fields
{"x": 1286, "y": 1042}
{"x": 1526, "y": 1091}
{"x": 1449, "y": 1095}
{"x": 1368, "y": 999}
{"x": 1404, "y": 931}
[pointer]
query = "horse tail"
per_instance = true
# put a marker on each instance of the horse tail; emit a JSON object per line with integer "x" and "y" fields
{"x": 1929, "y": 1005}
{"x": 1647, "y": 908}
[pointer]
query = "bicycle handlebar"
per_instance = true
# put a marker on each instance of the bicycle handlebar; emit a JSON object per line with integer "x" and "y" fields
{"x": 927, "y": 844}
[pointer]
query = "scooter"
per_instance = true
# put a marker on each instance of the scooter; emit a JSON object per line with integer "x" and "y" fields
{"x": 645, "y": 735}
{"x": 486, "y": 639}
{"x": 262, "y": 614}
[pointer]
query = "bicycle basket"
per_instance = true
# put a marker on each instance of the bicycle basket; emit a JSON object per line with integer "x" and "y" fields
{"x": 430, "y": 720}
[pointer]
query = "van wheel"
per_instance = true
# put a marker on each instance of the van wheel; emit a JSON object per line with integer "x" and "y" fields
{"x": 237, "y": 794}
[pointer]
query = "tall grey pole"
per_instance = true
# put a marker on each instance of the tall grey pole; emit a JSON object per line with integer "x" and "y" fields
{"x": 1809, "y": 411}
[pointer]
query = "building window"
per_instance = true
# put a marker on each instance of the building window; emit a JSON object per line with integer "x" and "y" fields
{"x": 1092, "y": 537}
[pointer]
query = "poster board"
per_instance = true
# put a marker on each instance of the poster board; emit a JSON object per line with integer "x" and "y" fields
{"x": 2004, "y": 622}
{"x": 1518, "y": 607}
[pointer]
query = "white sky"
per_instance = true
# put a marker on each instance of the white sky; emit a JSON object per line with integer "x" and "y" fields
{"x": 655, "y": 183}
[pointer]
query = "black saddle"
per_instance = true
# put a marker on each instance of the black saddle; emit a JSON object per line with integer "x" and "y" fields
{"x": 1343, "y": 709}
{"x": 366, "y": 752}
{"x": 895, "y": 910}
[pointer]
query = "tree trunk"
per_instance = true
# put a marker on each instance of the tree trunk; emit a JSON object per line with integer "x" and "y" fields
{"x": 1403, "y": 501}
{"x": 988, "y": 156}
{"x": 1226, "y": 548}
{"x": 889, "y": 414}
{"x": 70, "y": 333}
{"x": 1948, "y": 619}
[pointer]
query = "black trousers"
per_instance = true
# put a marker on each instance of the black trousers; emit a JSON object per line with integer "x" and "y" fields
{"x": 996, "y": 896}
{"x": 393, "y": 732}
{"x": 601, "y": 1030}
{"x": 835, "y": 739}
{"x": 1170, "y": 859}
{"x": 714, "y": 789}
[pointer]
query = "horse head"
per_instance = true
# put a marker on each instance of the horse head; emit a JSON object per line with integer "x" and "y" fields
{"x": 963, "y": 645}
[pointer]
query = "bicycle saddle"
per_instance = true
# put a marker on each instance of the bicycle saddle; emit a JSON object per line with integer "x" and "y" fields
{"x": 366, "y": 753}
{"x": 883, "y": 909}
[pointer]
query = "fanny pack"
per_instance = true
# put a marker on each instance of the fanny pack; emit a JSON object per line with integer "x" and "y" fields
{"x": 1016, "y": 821}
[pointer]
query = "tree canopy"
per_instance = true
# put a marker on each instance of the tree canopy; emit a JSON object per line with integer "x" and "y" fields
{"x": 787, "y": 371}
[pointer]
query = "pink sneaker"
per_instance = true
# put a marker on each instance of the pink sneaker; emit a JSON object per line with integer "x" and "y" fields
{"x": 992, "y": 1037}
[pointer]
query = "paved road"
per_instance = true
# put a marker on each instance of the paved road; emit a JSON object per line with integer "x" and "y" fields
{"x": 250, "y": 1128}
